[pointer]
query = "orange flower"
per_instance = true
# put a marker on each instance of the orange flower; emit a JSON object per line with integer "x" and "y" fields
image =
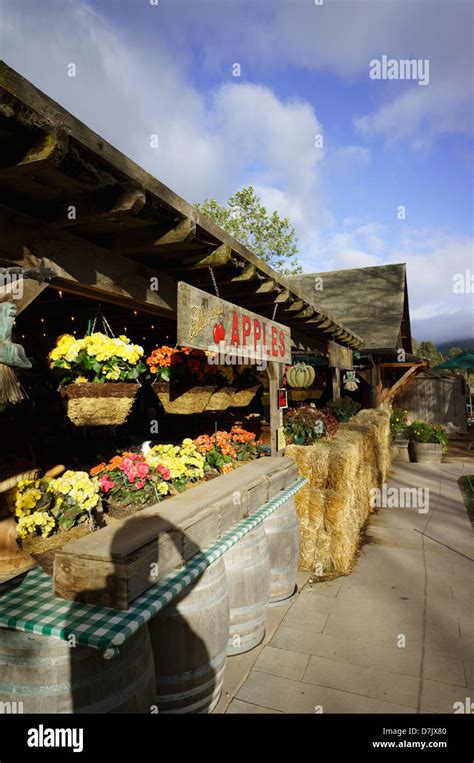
{"x": 97, "y": 469}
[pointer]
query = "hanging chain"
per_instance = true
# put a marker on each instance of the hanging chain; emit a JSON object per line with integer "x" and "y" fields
{"x": 105, "y": 324}
{"x": 214, "y": 281}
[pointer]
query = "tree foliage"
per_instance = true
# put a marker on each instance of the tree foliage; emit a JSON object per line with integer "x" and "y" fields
{"x": 269, "y": 236}
{"x": 429, "y": 350}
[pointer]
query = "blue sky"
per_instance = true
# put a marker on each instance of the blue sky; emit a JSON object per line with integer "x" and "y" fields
{"x": 167, "y": 69}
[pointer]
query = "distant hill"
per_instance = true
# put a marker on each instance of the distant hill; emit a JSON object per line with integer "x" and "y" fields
{"x": 465, "y": 344}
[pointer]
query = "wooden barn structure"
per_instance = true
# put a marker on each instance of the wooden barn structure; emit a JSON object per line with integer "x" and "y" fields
{"x": 374, "y": 303}
{"x": 112, "y": 233}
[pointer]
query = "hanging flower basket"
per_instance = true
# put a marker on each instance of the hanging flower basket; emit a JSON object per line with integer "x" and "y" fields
{"x": 221, "y": 399}
{"x": 183, "y": 402}
{"x": 99, "y": 405}
{"x": 243, "y": 397}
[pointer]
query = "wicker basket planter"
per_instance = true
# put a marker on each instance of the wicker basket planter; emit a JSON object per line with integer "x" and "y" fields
{"x": 243, "y": 397}
{"x": 299, "y": 395}
{"x": 119, "y": 511}
{"x": 13, "y": 559}
{"x": 183, "y": 402}
{"x": 8, "y": 481}
{"x": 43, "y": 550}
{"x": 221, "y": 399}
{"x": 99, "y": 405}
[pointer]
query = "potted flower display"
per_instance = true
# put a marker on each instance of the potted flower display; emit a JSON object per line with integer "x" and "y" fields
{"x": 305, "y": 424}
{"x": 98, "y": 377}
{"x": 400, "y": 442}
{"x": 183, "y": 380}
{"x": 50, "y": 512}
{"x": 344, "y": 408}
{"x": 129, "y": 482}
{"x": 184, "y": 462}
{"x": 429, "y": 441}
{"x": 218, "y": 451}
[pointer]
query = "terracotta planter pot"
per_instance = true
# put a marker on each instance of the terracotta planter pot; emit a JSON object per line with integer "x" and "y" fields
{"x": 99, "y": 405}
{"x": 428, "y": 452}
{"x": 185, "y": 402}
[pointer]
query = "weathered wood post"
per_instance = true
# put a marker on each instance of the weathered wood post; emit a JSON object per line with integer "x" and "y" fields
{"x": 273, "y": 371}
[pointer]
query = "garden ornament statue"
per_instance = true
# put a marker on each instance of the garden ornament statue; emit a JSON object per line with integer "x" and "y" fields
{"x": 350, "y": 382}
{"x": 11, "y": 356}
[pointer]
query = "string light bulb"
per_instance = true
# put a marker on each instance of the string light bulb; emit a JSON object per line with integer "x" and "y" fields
{"x": 60, "y": 294}
{"x": 135, "y": 312}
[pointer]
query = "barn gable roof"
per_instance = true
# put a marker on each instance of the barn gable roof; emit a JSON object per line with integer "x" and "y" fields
{"x": 372, "y": 302}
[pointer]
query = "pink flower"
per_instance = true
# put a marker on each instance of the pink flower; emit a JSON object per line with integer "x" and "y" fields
{"x": 142, "y": 469}
{"x": 130, "y": 474}
{"x": 106, "y": 484}
{"x": 140, "y": 484}
{"x": 165, "y": 473}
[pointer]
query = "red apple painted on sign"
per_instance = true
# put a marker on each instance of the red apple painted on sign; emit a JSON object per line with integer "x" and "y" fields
{"x": 218, "y": 333}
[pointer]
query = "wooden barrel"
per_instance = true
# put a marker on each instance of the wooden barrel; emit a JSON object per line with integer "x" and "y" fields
{"x": 247, "y": 565}
{"x": 189, "y": 641}
{"x": 41, "y": 674}
{"x": 282, "y": 533}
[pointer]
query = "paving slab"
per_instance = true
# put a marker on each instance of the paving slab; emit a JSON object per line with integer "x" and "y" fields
{"x": 338, "y": 647}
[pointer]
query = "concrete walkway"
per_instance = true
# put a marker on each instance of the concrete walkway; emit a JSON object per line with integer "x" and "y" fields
{"x": 395, "y": 636}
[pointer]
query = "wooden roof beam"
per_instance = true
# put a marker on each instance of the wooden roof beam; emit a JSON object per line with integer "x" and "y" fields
{"x": 283, "y": 296}
{"x": 49, "y": 151}
{"x": 220, "y": 256}
{"x": 84, "y": 268}
{"x": 249, "y": 272}
{"x": 267, "y": 286}
{"x": 296, "y": 306}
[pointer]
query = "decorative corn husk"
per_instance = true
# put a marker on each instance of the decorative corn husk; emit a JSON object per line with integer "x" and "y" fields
{"x": 184, "y": 403}
{"x": 244, "y": 397}
{"x": 99, "y": 405}
{"x": 10, "y": 389}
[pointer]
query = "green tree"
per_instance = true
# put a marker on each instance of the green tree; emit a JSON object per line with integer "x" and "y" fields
{"x": 267, "y": 235}
{"x": 454, "y": 351}
{"x": 430, "y": 351}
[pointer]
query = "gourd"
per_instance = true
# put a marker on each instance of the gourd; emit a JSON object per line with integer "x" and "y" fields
{"x": 300, "y": 375}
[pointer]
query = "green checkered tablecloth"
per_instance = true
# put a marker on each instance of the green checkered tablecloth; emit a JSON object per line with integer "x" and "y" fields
{"x": 31, "y": 605}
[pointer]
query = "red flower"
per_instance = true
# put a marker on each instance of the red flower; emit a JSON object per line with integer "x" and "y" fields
{"x": 106, "y": 484}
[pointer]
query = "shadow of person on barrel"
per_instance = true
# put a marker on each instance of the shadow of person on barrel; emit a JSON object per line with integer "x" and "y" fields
{"x": 182, "y": 649}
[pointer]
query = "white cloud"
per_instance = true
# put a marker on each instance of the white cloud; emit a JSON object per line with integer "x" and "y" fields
{"x": 343, "y": 36}
{"x": 240, "y": 133}
{"x": 432, "y": 257}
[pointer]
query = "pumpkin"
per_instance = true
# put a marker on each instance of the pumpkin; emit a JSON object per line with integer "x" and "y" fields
{"x": 300, "y": 375}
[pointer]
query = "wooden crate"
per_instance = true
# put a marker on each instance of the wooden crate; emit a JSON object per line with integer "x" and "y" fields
{"x": 114, "y": 565}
